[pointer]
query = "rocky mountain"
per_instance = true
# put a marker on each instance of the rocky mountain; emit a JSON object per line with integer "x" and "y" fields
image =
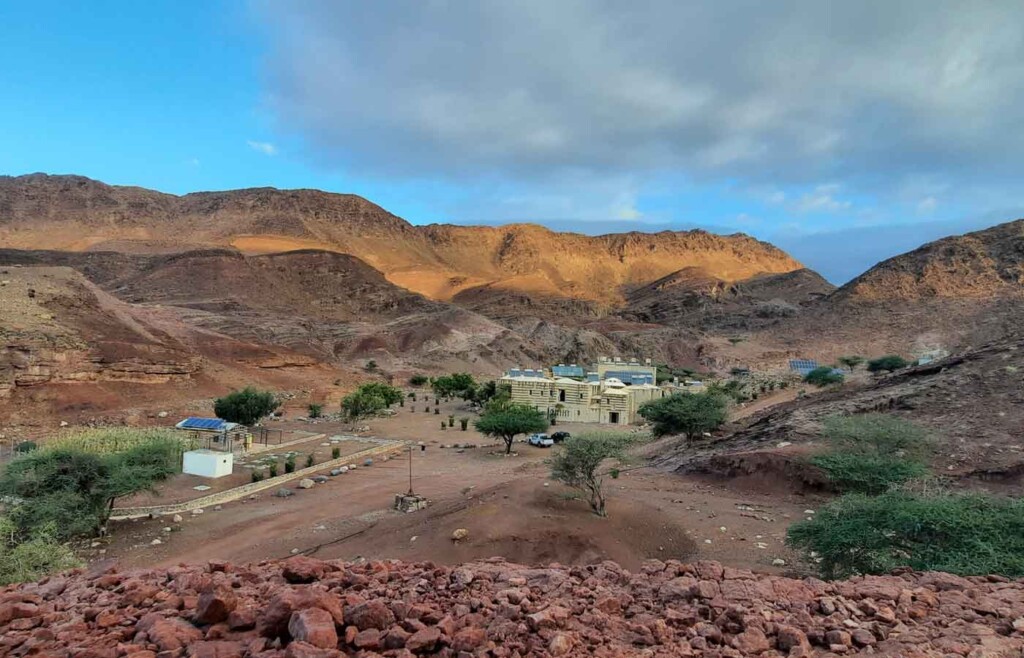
{"x": 73, "y": 213}
{"x": 983, "y": 264}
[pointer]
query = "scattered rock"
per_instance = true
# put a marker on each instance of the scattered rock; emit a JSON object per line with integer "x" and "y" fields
{"x": 284, "y": 493}
{"x": 306, "y": 483}
{"x": 460, "y": 534}
{"x": 177, "y": 518}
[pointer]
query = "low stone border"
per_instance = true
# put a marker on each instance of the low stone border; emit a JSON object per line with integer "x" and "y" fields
{"x": 229, "y": 495}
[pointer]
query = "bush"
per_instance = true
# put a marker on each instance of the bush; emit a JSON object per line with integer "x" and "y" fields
{"x": 877, "y": 433}
{"x": 417, "y": 380}
{"x": 775, "y": 308}
{"x": 370, "y": 399}
{"x": 851, "y": 361}
{"x": 452, "y": 385}
{"x": 246, "y": 406}
{"x": 310, "y": 460}
{"x": 868, "y": 474}
{"x": 824, "y": 376}
{"x": 315, "y": 410}
{"x": 273, "y": 470}
{"x": 451, "y": 421}
{"x": 890, "y": 363}
{"x": 579, "y": 458}
{"x": 961, "y": 534}
{"x": 112, "y": 440}
{"x": 371, "y": 366}
{"x": 335, "y": 452}
{"x": 257, "y": 476}
{"x": 289, "y": 464}
{"x": 437, "y": 412}
{"x": 25, "y": 446}
{"x": 29, "y": 556}
{"x": 691, "y": 414}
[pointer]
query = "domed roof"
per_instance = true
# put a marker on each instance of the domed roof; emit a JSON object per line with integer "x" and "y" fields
{"x": 612, "y": 382}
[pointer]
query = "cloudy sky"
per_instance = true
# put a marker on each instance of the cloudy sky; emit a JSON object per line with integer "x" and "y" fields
{"x": 844, "y": 132}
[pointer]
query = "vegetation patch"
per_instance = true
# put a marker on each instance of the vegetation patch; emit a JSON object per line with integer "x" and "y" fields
{"x": 691, "y": 414}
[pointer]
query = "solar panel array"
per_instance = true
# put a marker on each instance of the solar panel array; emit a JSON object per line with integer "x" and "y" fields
{"x": 802, "y": 366}
{"x": 628, "y": 377}
{"x": 202, "y": 424}
{"x": 525, "y": 372}
{"x": 567, "y": 371}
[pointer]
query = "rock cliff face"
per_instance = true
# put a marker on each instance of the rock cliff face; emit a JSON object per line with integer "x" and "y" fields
{"x": 306, "y": 608}
{"x": 74, "y": 213}
{"x": 983, "y": 264}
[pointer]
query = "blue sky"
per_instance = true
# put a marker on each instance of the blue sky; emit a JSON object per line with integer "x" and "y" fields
{"x": 842, "y": 138}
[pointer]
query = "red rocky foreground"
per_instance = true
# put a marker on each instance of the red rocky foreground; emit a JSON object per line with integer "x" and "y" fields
{"x": 306, "y": 608}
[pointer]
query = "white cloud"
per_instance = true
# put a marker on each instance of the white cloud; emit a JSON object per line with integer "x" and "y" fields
{"x": 822, "y": 199}
{"x": 927, "y": 205}
{"x": 266, "y": 148}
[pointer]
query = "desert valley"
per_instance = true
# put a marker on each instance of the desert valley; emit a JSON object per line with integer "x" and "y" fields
{"x": 112, "y": 322}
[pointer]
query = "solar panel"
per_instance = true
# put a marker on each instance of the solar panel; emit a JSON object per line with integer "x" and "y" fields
{"x": 803, "y": 366}
{"x": 202, "y": 424}
{"x": 567, "y": 371}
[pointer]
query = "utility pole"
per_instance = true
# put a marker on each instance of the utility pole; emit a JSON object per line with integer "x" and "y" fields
{"x": 410, "y": 470}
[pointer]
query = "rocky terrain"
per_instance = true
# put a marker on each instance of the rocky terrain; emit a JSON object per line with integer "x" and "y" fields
{"x": 306, "y": 608}
{"x": 972, "y": 402}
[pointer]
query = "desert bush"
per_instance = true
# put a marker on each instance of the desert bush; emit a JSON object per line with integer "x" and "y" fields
{"x": 876, "y": 433}
{"x": 246, "y": 406}
{"x": 289, "y": 464}
{"x": 463, "y": 423}
{"x": 371, "y": 366}
{"x": 775, "y": 308}
{"x": 29, "y": 556}
{"x": 824, "y": 376}
{"x": 961, "y": 534}
{"x": 417, "y": 380}
{"x": 452, "y": 385}
{"x": 504, "y": 420}
{"x": 25, "y": 446}
{"x": 437, "y": 411}
{"x": 691, "y": 414}
{"x": 451, "y": 421}
{"x": 851, "y": 361}
{"x": 370, "y": 399}
{"x": 257, "y": 476}
{"x": 316, "y": 410}
{"x": 273, "y": 470}
{"x": 335, "y": 452}
{"x": 868, "y": 474}
{"x": 444, "y": 425}
{"x": 310, "y": 460}
{"x": 577, "y": 463}
{"x": 890, "y": 363}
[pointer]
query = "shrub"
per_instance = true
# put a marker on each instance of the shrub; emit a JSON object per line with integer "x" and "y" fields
{"x": 961, "y": 534}
{"x": 246, "y": 406}
{"x": 868, "y": 474}
{"x": 452, "y": 385}
{"x": 112, "y": 440}
{"x": 25, "y": 446}
{"x": 451, "y": 421}
{"x": 824, "y": 376}
{"x": 578, "y": 460}
{"x": 775, "y": 308}
{"x": 851, "y": 361}
{"x": 29, "y": 556}
{"x": 417, "y": 380}
{"x": 876, "y": 433}
{"x": 289, "y": 464}
{"x": 691, "y": 414}
{"x": 371, "y": 366}
{"x": 463, "y": 423}
{"x": 505, "y": 420}
{"x": 890, "y": 363}
{"x": 257, "y": 476}
{"x": 370, "y": 399}
{"x": 443, "y": 425}
{"x": 273, "y": 470}
{"x": 315, "y": 410}
{"x": 309, "y": 460}
{"x": 437, "y": 411}
{"x": 335, "y": 452}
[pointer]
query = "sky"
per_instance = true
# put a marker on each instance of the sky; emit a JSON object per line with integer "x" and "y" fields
{"x": 843, "y": 132}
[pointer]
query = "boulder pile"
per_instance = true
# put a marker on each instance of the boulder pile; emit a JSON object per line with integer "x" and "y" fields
{"x": 308, "y": 608}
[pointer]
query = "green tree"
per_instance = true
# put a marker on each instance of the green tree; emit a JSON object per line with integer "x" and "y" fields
{"x": 691, "y": 414}
{"x": 506, "y": 420}
{"x": 452, "y": 385}
{"x": 30, "y": 556}
{"x": 388, "y": 393}
{"x": 851, "y": 361}
{"x": 823, "y": 376}
{"x": 962, "y": 534}
{"x": 369, "y": 399}
{"x": 890, "y": 363}
{"x": 246, "y": 406}
{"x": 418, "y": 380}
{"x": 578, "y": 461}
{"x": 315, "y": 409}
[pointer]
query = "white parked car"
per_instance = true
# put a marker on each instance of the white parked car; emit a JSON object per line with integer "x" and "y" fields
{"x": 541, "y": 440}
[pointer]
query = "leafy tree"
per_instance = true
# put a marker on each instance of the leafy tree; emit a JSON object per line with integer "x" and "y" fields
{"x": 578, "y": 460}
{"x": 452, "y": 385}
{"x": 484, "y": 393}
{"x": 505, "y": 420}
{"x": 316, "y": 410}
{"x": 30, "y": 556}
{"x": 890, "y": 363}
{"x": 961, "y": 534}
{"x": 851, "y": 361}
{"x": 371, "y": 366}
{"x": 369, "y": 399}
{"x": 418, "y": 380}
{"x": 823, "y": 376}
{"x": 691, "y": 414}
{"x": 75, "y": 491}
{"x": 246, "y": 406}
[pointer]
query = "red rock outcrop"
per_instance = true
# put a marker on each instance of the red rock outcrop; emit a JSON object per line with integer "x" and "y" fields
{"x": 305, "y": 608}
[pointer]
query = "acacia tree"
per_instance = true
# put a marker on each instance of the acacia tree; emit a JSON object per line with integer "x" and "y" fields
{"x": 246, "y": 406}
{"x": 888, "y": 363}
{"x": 578, "y": 461}
{"x": 823, "y": 376}
{"x": 691, "y": 414}
{"x": 505, "y": 420}
{"x": 451, "y": 385}
{"x": 369, "y": 399}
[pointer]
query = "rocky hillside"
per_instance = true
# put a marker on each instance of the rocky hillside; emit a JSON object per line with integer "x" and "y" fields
{"x": 307, "y": 608}
{"x": 73, "y": 213}
{"x": 982, "y": 264}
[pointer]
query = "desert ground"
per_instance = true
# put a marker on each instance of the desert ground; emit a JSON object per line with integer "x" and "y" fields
{"x": 508, "y": 504}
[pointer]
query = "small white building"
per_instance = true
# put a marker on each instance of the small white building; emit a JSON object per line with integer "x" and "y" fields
{"x": 208, "y": 463}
